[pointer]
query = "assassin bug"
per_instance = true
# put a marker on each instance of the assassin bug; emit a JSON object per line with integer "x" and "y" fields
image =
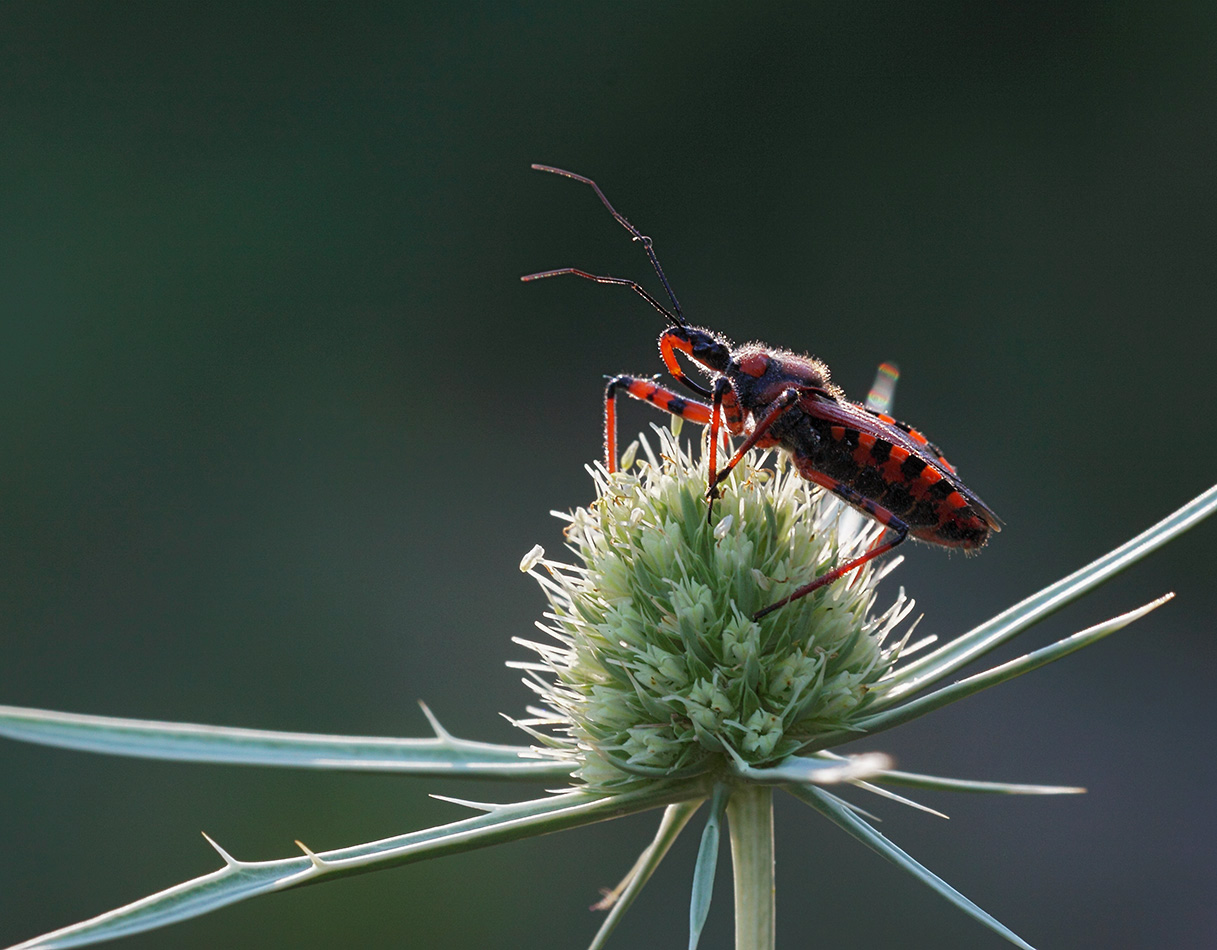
{"x": 775, "y": 398}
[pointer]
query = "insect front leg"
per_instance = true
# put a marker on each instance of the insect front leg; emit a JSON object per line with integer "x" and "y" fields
{"x": 876, "y": 511}
{"x": 722, "y": 402}
{"x": 671, "y": 341}
{"x": 650, "y": 391}
{"x": 780, "y": 406}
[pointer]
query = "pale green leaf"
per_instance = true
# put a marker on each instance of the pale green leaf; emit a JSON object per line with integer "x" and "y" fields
{"x": 900, "y": 799}
{"x": 839, "y": 814}
{"x": 1006, "y": 671}
{"x": 932, "y": 667}
{"x": 915, "y": 780}
{"x": 240, "y": 880}
{"x": 675, "y": 817}
{"x": 816, "y": 769}
{"x": 707, "y": 864}
{"x": 442, "y": 755}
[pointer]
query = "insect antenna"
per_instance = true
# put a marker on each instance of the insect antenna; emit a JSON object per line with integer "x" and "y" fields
{"x": 677, "y": 317}
{"x": 624, "y": 282}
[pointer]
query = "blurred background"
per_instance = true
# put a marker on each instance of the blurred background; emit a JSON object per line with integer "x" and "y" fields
{"x": 279, "y": 421}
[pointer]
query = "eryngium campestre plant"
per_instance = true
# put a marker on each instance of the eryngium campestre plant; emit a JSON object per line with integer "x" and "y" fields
{"x": 657, "y": 667}
{"x": 659, "y": 691}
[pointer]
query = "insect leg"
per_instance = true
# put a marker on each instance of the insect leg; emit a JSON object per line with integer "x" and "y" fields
{"x": 650, "y": 391}
{"x": 722, "y": 391}
{"x": 876, "y": 511}
{"x": 780, "y": 405}
{"x": 669, "y": 342}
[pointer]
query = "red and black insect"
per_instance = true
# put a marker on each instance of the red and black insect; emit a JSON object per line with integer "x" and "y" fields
{"x": 883, "y": 468}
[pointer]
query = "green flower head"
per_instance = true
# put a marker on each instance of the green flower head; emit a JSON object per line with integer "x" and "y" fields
{"x": 657, "y": 666}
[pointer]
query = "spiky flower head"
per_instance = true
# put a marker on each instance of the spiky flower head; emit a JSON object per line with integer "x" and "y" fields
{"x": 656, "y": 666}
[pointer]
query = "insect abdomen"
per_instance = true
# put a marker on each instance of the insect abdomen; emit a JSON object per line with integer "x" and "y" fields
{"x": 930, "y": 500}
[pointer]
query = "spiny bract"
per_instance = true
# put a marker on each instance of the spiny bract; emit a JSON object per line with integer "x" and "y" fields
{"x": 656, "y": 665}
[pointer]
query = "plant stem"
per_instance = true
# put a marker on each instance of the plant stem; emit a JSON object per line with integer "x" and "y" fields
{"x": 750, "y": 819}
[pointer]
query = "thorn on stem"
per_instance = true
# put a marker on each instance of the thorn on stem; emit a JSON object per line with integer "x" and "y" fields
{"x": 228, "y": 858}
{"x": 440, "y": 731}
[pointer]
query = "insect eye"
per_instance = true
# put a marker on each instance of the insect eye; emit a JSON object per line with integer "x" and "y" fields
{"x": 711, "y": 353}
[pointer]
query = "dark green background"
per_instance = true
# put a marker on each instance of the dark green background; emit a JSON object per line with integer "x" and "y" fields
{"x": 278, "y": 421}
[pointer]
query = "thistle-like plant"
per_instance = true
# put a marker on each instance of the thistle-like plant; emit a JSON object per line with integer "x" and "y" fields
{"x": 658, "y": 690}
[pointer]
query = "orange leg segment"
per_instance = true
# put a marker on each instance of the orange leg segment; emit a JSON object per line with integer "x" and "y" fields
{"x": 780, "y": 406}
{"x": 650, "y": 391}
{"x": 671, "y": 340}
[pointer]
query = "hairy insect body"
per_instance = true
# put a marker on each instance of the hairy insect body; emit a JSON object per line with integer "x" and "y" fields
{"x": 909, "y": 487}
{"x": 776, "y": 398}
{"x": 759, "y": 377}
{"x": 904, "y": 475}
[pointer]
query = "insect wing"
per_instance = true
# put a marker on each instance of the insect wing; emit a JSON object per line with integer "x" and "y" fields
{"x": 885, "y": 429}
